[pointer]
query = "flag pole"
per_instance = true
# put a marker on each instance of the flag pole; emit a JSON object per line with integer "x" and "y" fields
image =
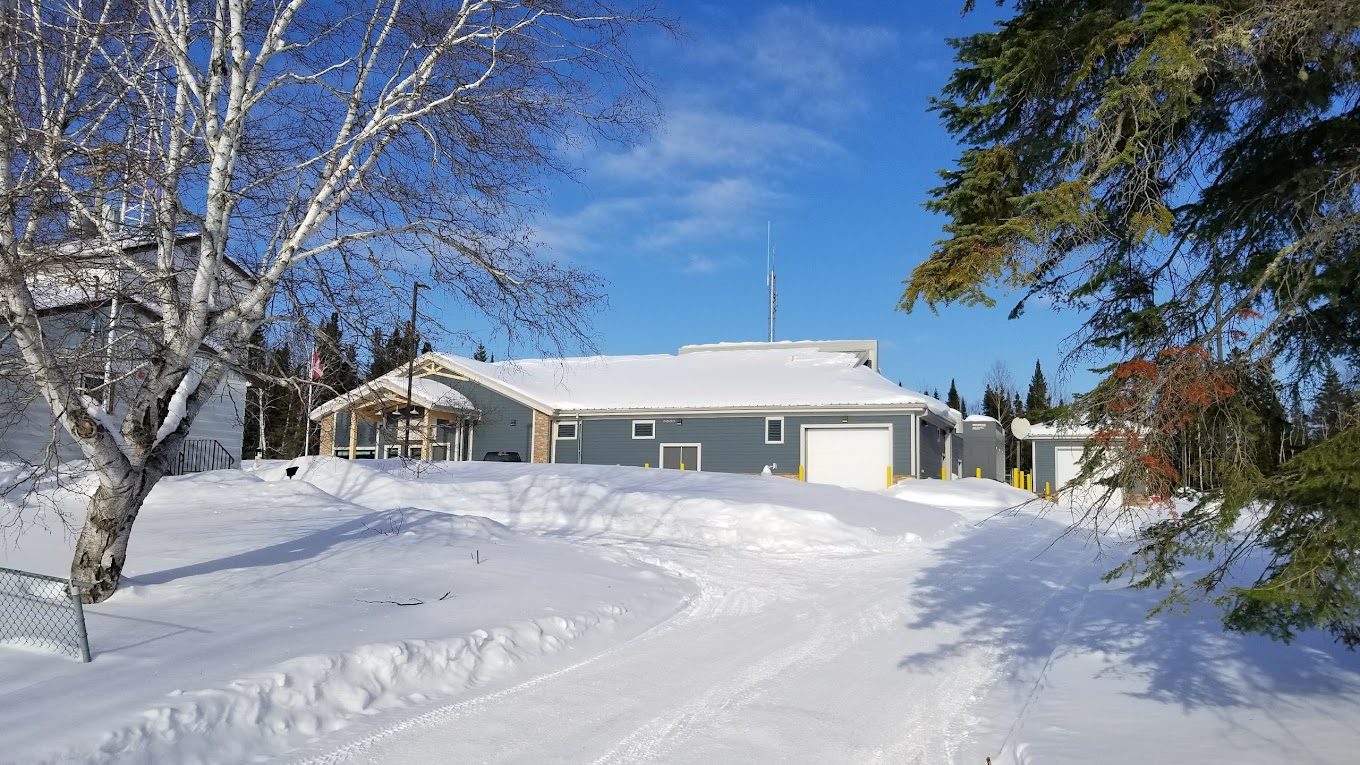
{"x": 307, "y": 415}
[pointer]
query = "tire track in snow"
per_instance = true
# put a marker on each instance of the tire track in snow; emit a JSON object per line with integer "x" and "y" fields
{"x": 946, "y": 719}
{"x": 829, "y": 639}
{"x": 689, "y": 611}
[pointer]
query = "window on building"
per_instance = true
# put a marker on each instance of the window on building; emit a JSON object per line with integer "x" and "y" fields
{"x": 566, "y": 430}
{"x": 644, "y": 428}
{"x": 774, "y": 430}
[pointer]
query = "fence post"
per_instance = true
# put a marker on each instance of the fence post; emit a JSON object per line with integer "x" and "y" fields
{"x": 73, "y": 588}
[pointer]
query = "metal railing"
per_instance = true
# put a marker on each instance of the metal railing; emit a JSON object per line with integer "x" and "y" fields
{"x": 43, "y": 613}
{"x": 200, "y": 454}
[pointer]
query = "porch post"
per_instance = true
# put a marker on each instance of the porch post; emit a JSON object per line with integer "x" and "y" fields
{"x": 425, "y": 435}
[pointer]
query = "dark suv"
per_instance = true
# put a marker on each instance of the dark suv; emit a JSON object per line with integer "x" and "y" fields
{"x": 501, "y": 457}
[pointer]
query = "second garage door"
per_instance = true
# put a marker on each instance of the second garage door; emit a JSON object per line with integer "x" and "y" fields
{"x": 1066, "y": 468}
{"x": 855, "y": 456}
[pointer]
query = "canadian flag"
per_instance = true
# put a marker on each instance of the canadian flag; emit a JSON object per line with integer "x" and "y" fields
{"x": 316, "y": 370}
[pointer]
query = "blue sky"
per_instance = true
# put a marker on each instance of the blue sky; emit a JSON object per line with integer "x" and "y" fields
{"x": 812, "y": 118}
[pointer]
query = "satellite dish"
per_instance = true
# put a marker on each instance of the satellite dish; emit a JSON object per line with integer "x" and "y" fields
{"x": 1020, "y": 427}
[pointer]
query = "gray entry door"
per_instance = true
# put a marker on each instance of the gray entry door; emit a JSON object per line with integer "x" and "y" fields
{"x": 675, "y": 455}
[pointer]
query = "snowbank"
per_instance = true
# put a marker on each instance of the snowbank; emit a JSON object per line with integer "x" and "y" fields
{"x": 752, "y": 513}
{"x": 256, "y": 616}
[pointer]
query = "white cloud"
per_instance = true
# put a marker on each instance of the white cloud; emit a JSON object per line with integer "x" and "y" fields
{"x": 810, "y": 60}
{"x": 700, "y": 265}
{"x": 695, "y": 141}
{"x": 748, "y": 112}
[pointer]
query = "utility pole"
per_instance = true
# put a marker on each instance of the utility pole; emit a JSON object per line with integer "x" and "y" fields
{"x": 410, "y": 371}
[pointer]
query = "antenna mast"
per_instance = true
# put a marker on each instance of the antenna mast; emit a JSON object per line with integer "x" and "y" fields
{"x": 769, "y": 273}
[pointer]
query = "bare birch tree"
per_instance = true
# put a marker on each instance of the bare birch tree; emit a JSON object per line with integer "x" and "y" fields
{"x": 332, "y": 150}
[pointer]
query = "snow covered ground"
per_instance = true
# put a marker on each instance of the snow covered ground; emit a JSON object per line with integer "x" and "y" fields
{"x": 622, "y": 615}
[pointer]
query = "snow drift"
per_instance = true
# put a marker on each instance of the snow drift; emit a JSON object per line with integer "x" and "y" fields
{"x": 751, "y": 513}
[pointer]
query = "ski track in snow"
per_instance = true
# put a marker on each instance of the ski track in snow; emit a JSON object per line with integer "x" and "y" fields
{"x": 746, "y": 660}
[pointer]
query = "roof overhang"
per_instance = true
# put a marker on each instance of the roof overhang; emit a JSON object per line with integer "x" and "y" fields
{"x": 387, "y": 394}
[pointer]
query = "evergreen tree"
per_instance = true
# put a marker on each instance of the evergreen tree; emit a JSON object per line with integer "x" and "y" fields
{"x": 388, "y": 351}
{"x": 956, "y": 401}
{"x": 1331, "y": 406}
{"x": 480, "y": 353}
{"x": 339, "y": 361}
{"x": 1184, "y": 173}
{"x": 1037, "y": 401}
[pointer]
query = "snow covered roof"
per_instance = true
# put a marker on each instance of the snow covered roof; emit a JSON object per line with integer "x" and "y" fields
{"x": 865, "y": 350}
{"x": 979, "y": 418}
{"x": 727, "y": 379}
{"x": 1058, "y": 430}
{"x": 427, "y": 393}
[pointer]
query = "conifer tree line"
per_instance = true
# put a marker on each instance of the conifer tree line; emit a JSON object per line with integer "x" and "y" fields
{"x": 1295, "y": 422}
{"x": 279, "y": 366}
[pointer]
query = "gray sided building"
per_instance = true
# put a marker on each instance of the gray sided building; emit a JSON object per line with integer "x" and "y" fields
{"x": 734, "y": 409}
{"x": 31, "y": 434}
{"x": 1057, "y": 452}
{"x": 99, "y": 322}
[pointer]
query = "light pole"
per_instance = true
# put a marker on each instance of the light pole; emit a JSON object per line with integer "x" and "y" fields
{"x": 410, "y": 371}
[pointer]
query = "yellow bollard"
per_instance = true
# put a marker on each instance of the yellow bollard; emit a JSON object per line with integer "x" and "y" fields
{"x": 646, "y": 464}
{"x": 682, "y": 466}
{"x": 979, "y": 473}
{"x": 890, "y": 476}
{"x": 1029, "y": 477}
{"x": 1015, "y": 478}
{"x": 800, "y": 473}
{"x": 944, "y": 474}
{"x": 1047, "y": 494}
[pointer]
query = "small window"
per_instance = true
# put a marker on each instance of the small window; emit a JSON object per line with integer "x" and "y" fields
{"x": 90, "y": 383}
{"x": 644, "y": 428}
{"x": 774, "y": 430}
{"x": 566, "y": 430}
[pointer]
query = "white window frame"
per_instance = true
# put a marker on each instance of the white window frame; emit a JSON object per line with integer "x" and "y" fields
{"x": 767, "y": 430}
{"x": 575, "y": 431}
{"x": 636, "y": 423}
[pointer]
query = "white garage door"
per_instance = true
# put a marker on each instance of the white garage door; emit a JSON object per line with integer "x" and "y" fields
{"x": 855, "y": 456}
{"x": 1066, "y": 467}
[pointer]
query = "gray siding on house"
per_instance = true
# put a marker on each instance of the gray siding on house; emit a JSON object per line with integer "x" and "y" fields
{"x": 932, "y": 450}
{"x": 27, "y": 429}
{"x": 1044, "y": 470}
{"x": 730, "y": 444}
{"x": 494, "y": 433}
{"x": 222, "y": 418}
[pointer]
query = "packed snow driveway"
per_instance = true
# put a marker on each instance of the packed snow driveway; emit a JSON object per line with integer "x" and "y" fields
{"x": 795, "y": 656}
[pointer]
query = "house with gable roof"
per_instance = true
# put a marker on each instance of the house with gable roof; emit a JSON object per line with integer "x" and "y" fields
{"x": 736, "y": 408}
{"x": 99, "y": 318}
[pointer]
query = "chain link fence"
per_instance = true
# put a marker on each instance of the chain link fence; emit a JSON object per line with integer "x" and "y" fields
{"x": 42, "y": 613}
